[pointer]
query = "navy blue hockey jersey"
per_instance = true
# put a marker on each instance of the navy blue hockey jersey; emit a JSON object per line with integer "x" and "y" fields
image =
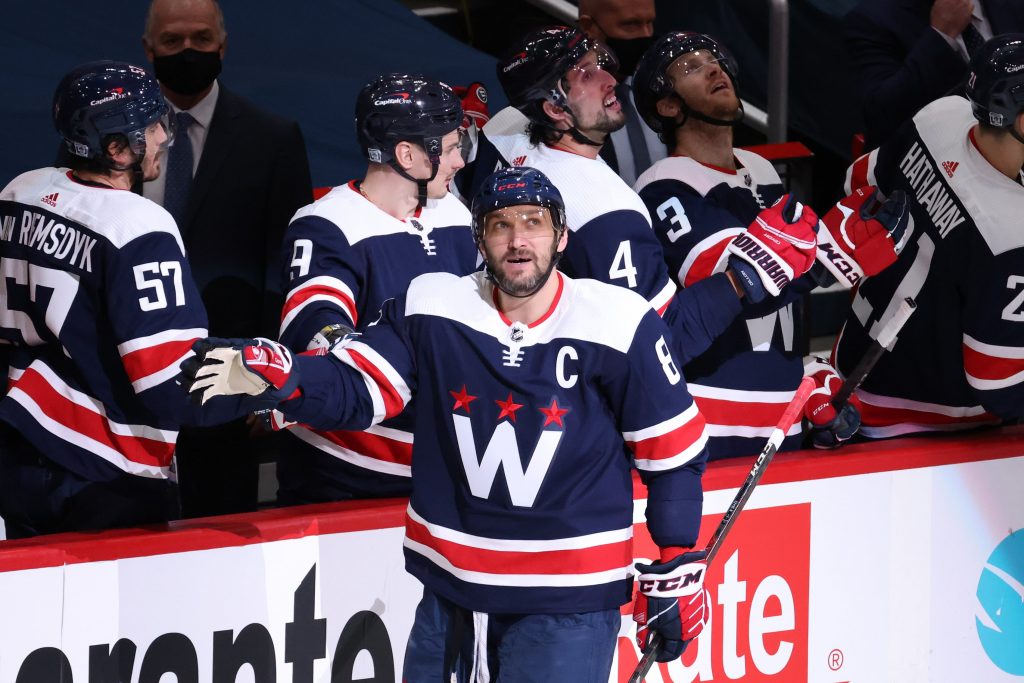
{"x": 744, "y": 381}
{"x": 525, "y": 436}
{"x": 959, "y": 360}
{"x": 610, "y": 235}
{"x": 99, "y": 307}
{"x": 344, "y": 258}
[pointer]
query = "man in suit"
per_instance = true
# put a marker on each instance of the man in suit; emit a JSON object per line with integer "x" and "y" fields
{"x": 627, "y": 28}
{"x": 907, "y": 53}
{"x": 234, "y": 178}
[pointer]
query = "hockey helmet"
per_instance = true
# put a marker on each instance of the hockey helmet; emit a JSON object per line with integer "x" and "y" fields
{"x": 533, "y": 69}
{"x": 652, "y": 81}
{"x": 514, "y": 186}
{"x": 99, "y": 99}
{"x": 995, "y": 86}
{"x": 405, "y": 108}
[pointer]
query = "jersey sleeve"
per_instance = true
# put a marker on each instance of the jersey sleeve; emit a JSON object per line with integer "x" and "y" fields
{"x": 156, "y": 314}
{"x": 618, "y": 247}
{"x": 369, "y": 379}
{"x": 993, "y": 337}
{"x": 665, "y": 433}
{"x": 322, "y": 277}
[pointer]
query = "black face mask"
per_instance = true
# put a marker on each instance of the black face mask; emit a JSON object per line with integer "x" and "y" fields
{"x": 187, "y": 72}
{"x": 629, "y": 51}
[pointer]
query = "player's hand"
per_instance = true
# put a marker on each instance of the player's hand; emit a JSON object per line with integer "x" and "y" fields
{"x": 230, "y": 367}
{"x": 863, "y": 235}
{"x": 951, "y": 16}
{"x": 672, "y": 602}
{"x": 778, "y": 247}
{"x": 474, "y": 104}
{"x": 829, "y": 429}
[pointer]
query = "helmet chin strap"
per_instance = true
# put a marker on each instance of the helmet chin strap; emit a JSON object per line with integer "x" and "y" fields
{"x": 421, "y": 183}
{"x": 688, "y": 111}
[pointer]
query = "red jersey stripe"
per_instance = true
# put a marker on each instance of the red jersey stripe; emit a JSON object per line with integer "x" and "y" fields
{"x": 671, "y": 443}
{"x": 600, "y": 558}
{"x": 393, "y": 403}
{"x": 91, "y": 424}
{"x": 371, "y": 445}
{"x": 151, "y": 360}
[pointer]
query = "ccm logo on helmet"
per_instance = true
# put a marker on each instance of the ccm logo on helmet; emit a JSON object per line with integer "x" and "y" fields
{"x": 509, "y": 186}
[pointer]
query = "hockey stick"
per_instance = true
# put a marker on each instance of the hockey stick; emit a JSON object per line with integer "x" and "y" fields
{"x": 789, "y": 416}
{"x": 885, "y": 339}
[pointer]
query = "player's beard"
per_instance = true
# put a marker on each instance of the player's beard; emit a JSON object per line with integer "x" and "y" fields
{"x": 605, "y": 122}
{"x": 524, "y": 284}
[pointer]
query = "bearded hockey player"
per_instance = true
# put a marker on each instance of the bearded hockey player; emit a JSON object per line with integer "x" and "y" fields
{"x": 99, "y": 308}
{"x": 359, "y": 246}
{"x": 562, "y": 82}
{"x": 959, "y": 361}
{"x": 515, "y": 370}
{"x": 701, "y": 198}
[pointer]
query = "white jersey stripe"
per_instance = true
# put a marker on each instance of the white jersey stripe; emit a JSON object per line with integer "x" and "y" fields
{"x": 350, "y": 456}
{"x": 140, "y": 343}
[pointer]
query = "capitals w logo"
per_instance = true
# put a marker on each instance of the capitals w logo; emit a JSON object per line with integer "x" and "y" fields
{"x": 503, "y": 451}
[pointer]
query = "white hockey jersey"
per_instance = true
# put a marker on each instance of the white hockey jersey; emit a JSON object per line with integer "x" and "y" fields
{"x": 959, "y": 360}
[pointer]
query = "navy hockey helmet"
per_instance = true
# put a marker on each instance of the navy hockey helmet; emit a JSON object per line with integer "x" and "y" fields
{"x": 652, "y": 81}
{"x": 533, "y": 70}
{"x": 995, "y": 86}
{"x": 515, "y": 186}
{"x": 104, "y": 98}
{"x": 405, "y": 108}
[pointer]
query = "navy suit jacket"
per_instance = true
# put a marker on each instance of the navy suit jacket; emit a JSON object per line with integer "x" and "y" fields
{"x": 902, "y": 64}
{"x": 252, "y": 177}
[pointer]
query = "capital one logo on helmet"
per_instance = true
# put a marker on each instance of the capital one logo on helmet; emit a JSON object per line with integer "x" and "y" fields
{"x": 115, "y": 94}
{"x": 397, "y": 98}
{"x": 516, "y": 61}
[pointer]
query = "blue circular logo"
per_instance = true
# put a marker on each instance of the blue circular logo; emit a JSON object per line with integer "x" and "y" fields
{"x": 1001, "y": 596}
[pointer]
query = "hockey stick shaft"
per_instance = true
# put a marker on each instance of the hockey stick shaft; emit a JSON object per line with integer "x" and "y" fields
{"x": 885, "y": 339}
{"x": 789, "y": 416}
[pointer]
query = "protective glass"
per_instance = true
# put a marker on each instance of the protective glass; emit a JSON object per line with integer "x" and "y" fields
{"x": 527, "y": 222}
{"x": 588, "y": 69}
{"x": 692, "y": 63}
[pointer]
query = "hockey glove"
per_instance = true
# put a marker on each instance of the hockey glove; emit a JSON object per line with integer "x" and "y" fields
{"x": 863, "y": 235}
{"x": 474, "y": 104}
{"x": 229, "y": 367}
{"x": 672, "y": 602}
{"x": 829, "y": 429}
{"x": 776, "y": 248}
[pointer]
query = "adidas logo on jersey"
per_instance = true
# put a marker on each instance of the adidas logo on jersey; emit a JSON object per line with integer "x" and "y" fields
{"x": 519, "y": 161}
{"x": 51, "y": 199}
{"x": 950, "y": 167}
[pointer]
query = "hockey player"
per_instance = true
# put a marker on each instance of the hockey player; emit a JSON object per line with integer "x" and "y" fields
{"x": 957, "y": 362}
{"x": 701, "y": 198}
{"x": 360, "y": 245}
{"x": 98, "y": 309}
{"x": 518, "y": 369}
{"x": 562, "y": 82}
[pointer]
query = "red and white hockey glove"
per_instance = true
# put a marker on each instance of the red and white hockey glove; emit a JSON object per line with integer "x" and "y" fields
{"x": 474, "y": 104}
{"x": 672, "y": 602}
{"x": 230, "y": 367}
{"x": 863, "y": 235}
{"x": 829, "y": 429}
{"x": 778, "y": 247}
